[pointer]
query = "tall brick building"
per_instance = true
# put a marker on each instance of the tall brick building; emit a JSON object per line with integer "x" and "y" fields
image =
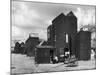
{"x": 62, "y": 26}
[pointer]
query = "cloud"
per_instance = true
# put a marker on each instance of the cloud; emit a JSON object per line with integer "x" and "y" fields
{"x": 85, "y": 16}
{"x": 15, "y": 31}
{"x": 33, "y": 17}
{"x": 22, "y": 15}
{"x": 25, "y": 20}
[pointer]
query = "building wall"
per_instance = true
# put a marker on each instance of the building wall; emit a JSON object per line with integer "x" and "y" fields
{"x": 83, "y": 45}
{"x": 49, "y": 35}
{"x": 42, "y": 55}
{"x": 61, "y": 26}
{"x": 30, "y": 45}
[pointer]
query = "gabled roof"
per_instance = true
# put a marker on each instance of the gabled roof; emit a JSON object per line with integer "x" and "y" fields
{"x": 49, "y": 26}
{"x": 41, "y": 43}
{"x": 71, "y": 14}
{"x": 59, "y": 17}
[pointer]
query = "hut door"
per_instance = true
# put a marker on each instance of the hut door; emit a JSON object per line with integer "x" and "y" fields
{"x": 51, "y": 55}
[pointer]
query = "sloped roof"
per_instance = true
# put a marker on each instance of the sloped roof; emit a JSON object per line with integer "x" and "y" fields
{"x": 71, "y": 14}
{"x": 44, "y": 46}
{"x": 59, "y": 17}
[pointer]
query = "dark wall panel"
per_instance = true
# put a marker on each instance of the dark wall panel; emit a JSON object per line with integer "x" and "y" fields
{"x": 84, "y": 45}
{"x": 42, "y": 55}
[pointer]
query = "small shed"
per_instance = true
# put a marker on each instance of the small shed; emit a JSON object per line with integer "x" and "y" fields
{"x": 43, "y": 54}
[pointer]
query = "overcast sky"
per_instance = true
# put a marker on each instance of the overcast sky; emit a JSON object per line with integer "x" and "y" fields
{"x": 33, "y": 17}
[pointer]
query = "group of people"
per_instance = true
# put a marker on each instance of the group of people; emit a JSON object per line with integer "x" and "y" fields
{"x": 54, "y": 58}
{"x": 67, "y": 58}
{"x": 66, "y": 53}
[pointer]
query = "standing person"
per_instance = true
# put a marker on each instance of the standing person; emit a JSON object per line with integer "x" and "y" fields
{"x": 66, "y": 53}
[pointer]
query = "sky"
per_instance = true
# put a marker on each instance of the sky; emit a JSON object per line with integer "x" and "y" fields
{"x": 35, "y": 17}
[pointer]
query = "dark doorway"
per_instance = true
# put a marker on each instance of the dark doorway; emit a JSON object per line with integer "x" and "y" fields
{"x": 51, "y": 55}
{"x": 67, "y": 48}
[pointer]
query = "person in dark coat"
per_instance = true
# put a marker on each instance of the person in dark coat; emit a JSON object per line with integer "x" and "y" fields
{"x": 66, "y": 53}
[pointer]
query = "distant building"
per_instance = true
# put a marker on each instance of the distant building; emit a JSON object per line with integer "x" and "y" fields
{"x": 30, "y": 44}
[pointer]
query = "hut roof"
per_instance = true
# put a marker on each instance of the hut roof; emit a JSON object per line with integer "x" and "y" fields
{"x": 44, "y": 46}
